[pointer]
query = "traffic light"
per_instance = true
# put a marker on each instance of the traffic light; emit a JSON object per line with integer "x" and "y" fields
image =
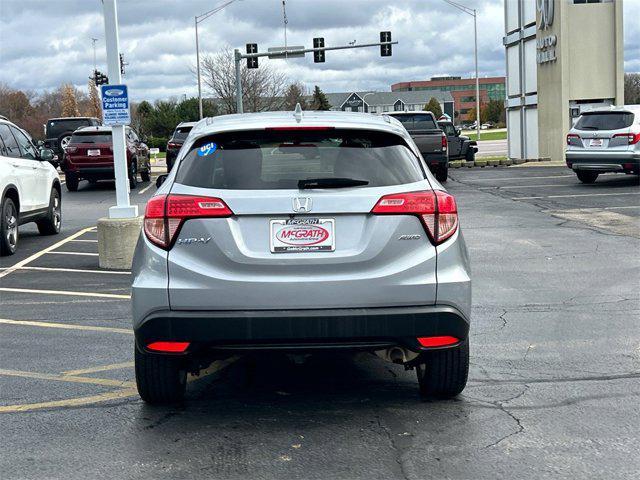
{"x": 100, "y": 78}
{"x": 252, "y": 62}
{"x": 318, "y": 55}
{"x": 385, "y": 50}
{"x": 122, "y": 64}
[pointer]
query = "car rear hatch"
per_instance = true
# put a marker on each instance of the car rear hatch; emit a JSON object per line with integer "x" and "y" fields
{"x": 90, "y": 149}
{"x": 281, "y": 244}
{"x": 602, "y": 134}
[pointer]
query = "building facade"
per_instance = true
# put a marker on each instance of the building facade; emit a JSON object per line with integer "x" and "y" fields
{"x": 563, "y": 57}
{"x": 463, "y": 91}
{"x": 382, "y": 102}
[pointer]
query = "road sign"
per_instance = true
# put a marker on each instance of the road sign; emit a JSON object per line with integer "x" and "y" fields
{"x": 288, "y": 52}
{"x": 115, "y": 105}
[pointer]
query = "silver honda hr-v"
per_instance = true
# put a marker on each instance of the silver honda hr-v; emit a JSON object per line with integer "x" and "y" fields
{"x": 300, "y": 231}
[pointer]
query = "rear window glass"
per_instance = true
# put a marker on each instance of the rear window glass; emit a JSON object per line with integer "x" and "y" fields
{"x": 55, "y": 128}
{"x": 181, "y": 133}
{"x": 417, "y": 121}
{"x": 91, "y": 137}
{"x": 271, "y": 160}
{"x": 604, "y": 121}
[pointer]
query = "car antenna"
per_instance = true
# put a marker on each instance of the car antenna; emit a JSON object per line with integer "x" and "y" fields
{"x": 297, "y": 113}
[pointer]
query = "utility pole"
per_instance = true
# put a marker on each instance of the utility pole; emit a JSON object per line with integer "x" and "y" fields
{"x": 474, "y": 14}
{"x": 198, "y": 19}
{"x": 123, "y": 208}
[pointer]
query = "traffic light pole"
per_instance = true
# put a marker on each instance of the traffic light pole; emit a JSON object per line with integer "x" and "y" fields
{"x": 287, "y": 53}
{"x": 122, "y": 209}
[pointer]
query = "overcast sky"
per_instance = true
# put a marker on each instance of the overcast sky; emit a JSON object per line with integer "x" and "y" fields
{"x": 44, "y": 43}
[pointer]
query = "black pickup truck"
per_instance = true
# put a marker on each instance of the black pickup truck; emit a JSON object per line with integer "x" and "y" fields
{"x": 429, "y": 139}
{"x": 460, "y": 146}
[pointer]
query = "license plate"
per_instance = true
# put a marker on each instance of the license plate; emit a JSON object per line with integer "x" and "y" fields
{"x": 93, "y": 153}
{"x": 595, "y": 142}
{"x": 302, "y": 235}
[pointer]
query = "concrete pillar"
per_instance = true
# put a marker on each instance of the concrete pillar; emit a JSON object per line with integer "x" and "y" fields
{"x": 117, "y": 238}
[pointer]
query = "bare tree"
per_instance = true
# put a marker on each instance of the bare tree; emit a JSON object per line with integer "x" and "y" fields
{"x": 262, "y": 88}
{"x": 294, "y": 94}
{"x": 94, "y": 108}
{"x": 69, "y": 101}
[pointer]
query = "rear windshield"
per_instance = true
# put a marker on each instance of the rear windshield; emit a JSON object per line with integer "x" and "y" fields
{"x": 418, "y": 121}
{"x": 181, "y": 133}
{"x": 278, "y": 159}
{"x": 91, "y": 137}
{"x": 604, "y": 121}
{"x": 55, "y": 128}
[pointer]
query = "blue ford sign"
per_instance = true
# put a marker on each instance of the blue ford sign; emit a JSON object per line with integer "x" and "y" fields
{"x": 115, "y": 105}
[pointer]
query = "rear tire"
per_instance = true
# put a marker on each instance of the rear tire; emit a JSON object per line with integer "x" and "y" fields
{"x": 71, "y": 182}
{"x": 52, "y": 223}
{"x": 470, "y": 156}
{"x": 8, "y": 227}
{"x": 146, "y": 176}
{"x": 586, "y": 177}
{"x": 133, "y": 175}
{"x": 441, "y": 174}
{"x": 160, "y": 379}
{"x": 443, "y": 373}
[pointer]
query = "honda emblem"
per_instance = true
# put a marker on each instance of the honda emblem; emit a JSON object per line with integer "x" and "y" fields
{"x": 302, "y": 204}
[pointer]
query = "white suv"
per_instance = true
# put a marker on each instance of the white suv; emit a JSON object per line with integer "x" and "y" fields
{"x": 29, "y": 187}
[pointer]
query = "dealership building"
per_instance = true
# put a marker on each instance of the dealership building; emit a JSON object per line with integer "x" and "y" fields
{"x": 383, "y": 102}
{"x": 463, "y": 91}
{"x": 563, "y": 57}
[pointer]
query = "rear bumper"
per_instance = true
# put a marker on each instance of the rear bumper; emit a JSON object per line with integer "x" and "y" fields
{"x": 304, "y": 329}
{"x": 436, "y": 159}
{"x": 603, "y": 161}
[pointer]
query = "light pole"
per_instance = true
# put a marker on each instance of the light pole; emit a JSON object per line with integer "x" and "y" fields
{"x": 363, "y": 103}
{"x": 473, "y": 13}
{"x": 198, "y": 19}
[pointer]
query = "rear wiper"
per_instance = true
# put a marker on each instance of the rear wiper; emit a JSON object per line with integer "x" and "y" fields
{"x": 331, "y": 183}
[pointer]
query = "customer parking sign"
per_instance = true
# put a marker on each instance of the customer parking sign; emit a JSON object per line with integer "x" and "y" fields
{"x": 115, "y": 105}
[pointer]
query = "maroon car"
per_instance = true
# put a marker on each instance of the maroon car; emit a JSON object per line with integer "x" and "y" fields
{"x": 89, "y": 156}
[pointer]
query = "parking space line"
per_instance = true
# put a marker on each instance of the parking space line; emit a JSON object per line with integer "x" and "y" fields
{"x": 105, "y": 382}
{"x": 74, "y": 270}
{"x": 578, "y": 195}
{"x": 522, "y": 177}
{"x": 102, "y": 368}
{"x": 37, "y": 255}
{"x": 529, "y": 186}
{"x": 65, "y": 292}
{"x": 151, "y": 184}
{"x": 73, "y": 253}
{"x": 85, "y": 241}
{"x": 65, "y": 326}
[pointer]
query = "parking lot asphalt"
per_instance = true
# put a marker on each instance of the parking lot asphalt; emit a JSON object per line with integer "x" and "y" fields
{"x": 553, "y": 391}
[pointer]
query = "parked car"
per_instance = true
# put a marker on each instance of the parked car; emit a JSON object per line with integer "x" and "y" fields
{"x": 58, "y": 132}
{"x": 298, "y": 233}
{"x": 605, "y": 140}
{"x": 460, "y": 146}
{"x": 29, "y": 187}
{"x": 430, "y": 139}
{"x": 89, "y": 156}
{"x": 175, "y": 142}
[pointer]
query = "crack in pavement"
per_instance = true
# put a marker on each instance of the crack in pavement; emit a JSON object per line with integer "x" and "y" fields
{"x": 392, "y": 443}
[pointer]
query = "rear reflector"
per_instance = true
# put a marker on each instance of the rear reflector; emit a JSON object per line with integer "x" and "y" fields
{"x": 632, "y": 139}
{"x": 168, "y": 347}
{"x": 165, "y": 214}
{"x": 437, "y": 341}
{"x": 437, "y": 210}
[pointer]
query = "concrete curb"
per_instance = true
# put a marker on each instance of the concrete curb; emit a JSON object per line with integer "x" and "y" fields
{"x": 505, "y": 162}
{"x": 117, "y": 238}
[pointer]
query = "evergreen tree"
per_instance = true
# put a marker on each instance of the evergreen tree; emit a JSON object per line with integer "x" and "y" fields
{"x": 319, "y": 100}
{"x": 434, "y": 107}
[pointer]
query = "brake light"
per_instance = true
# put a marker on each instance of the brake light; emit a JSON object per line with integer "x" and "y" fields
{"x": 168, "y": 347}
{"x": 632, "y": 139}
{"x": 165, "y": 214}
{"x": 71, "y": 149}
{"x": 437, "y": 210}
{"x": 308, "y": 128}
{"x": 570, "y": 136}
{"x": 442, "y": 341}
{"x": 173, "y": 145}
{"x": 444, "y": 142}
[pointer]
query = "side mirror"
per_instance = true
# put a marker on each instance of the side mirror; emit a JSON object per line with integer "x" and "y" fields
{"x": 46, "y": 154}
{"x": 40, "y": 143}
{"x": 161, "y": 179}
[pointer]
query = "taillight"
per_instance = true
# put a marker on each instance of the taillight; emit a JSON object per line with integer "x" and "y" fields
{"x": 71, "y": 149}
{"x": 165, "y": 214}
{"x": 441, "y": 341}
{"x": 173, "y": 145}
{"x": 632, "y": 139}
{"x": 168, "y": 347}
{"x": 444, "y": 142}
{"x": 437, "y": 210}
{"x": 570, "y": 136}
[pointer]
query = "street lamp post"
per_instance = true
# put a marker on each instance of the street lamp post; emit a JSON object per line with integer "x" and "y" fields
{"x": 474, "y": 14}
{"x": 363, "y": 102}
{"x": 198, "y": 19}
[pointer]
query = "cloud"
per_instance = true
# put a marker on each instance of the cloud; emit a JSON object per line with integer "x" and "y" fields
{"x": 44, "y": 43}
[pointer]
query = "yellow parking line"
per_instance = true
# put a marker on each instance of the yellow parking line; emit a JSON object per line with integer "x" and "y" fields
{"x": 37, "y": 255}
{"x": 71, "y": 402}
{"x": 65, "y": 292}
{"x": 65, "y": 326}
{"x": 106, "y": 382}
{"x": 102, "y": 368}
